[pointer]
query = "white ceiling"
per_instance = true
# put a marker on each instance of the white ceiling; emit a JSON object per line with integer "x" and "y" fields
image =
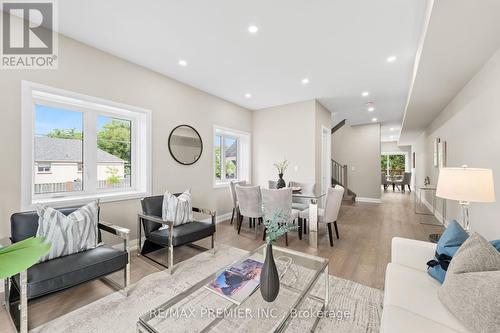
{"x": 390, "y": 131}
{"x": 340, "y": 45}
{"x": 461, "y": 36}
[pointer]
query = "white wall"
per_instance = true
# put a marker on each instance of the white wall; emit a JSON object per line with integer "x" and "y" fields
{"x": 323, "y": 118}
{"x": 86, "y": 70}
{"x": 359, "y": 148}
{"x": 284, "y": 132}
{"x": 470, "y": 125}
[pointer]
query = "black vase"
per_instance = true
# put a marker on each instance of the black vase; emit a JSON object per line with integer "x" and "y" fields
{"x": 269, "y": 278}
{"x": 281, "y": 183}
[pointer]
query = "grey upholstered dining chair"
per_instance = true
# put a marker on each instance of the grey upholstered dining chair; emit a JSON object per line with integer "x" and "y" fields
{"x": 406, "y": 181}
{"x": 274, "y": 201}
{"x": 384, "y": 181}
{"x": 272, "y": 184}
{"x": 249, "y": 204}
{"x": 232, "y": 186}
{"x": 306, "y": 188}
{"x": 330, "y": 213}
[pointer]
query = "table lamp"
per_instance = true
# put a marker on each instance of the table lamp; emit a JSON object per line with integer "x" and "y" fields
{"x": 466, "y": 185}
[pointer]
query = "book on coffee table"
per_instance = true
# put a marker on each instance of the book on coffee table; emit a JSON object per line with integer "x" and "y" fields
{"x": 238, "y": 281}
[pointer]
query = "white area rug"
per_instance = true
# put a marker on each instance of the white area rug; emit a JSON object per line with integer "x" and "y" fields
{"x": 117, "y": 313}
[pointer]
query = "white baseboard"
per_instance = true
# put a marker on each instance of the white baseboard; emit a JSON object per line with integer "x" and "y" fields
{"x": 366, "y": 199}
{"x": 132, "y": 245}
{"x": 437, "y": 215}
{"x": 219, "y": 218}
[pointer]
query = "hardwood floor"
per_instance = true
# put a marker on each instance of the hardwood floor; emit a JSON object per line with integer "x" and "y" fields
{"x": 361, "y": 254}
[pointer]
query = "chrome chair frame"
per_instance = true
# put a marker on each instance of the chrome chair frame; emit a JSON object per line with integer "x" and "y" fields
{"x": 170, "y": 248}
{"x": 21, "y": 318}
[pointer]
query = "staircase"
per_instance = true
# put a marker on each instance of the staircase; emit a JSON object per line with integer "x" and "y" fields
{"x": 339, "y": 172}
{"x": 339, "y": 176}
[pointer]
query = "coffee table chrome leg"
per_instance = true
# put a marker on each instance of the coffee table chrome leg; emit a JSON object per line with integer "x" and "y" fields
{"x": 327, "y": 287}
{"x": 23, "y": 302}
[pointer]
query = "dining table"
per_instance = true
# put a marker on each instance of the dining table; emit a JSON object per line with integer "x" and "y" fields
{"x": 314, "y": 199}
{"x": 394, "y": 180}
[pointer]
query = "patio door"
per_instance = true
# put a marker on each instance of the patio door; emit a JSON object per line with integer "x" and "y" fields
{"x": 394, "y": 163}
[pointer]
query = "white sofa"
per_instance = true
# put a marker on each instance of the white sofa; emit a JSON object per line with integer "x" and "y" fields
{"x": 411, "y": 303}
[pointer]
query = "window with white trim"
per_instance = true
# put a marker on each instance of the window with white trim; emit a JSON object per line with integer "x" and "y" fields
{"x": 77, "y": 148}
{"x": 231, "y": 156}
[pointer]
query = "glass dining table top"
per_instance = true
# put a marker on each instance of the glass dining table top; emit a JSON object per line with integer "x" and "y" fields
{"x": 308, "y": 195}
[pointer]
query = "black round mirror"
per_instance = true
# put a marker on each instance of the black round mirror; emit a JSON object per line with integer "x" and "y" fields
{"x": 185, "y": 144}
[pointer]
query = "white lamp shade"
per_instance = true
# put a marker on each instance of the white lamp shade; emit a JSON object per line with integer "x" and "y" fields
{"x": 466, "y": 184}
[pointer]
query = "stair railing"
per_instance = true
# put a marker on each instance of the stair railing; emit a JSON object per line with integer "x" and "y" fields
{"x": 339, "y": 175}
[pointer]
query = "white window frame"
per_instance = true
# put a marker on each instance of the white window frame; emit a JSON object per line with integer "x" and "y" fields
{"x": 243, "y": 162}
{"x": 91, "y": 107}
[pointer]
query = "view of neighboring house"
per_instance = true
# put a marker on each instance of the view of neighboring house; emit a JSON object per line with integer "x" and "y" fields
{"x": 59, "y": 167}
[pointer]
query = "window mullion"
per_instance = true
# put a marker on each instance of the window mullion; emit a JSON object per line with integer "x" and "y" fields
{"x": 237, "y": 159}
{"x": 90, "y": 152}
{"x": 222, "y": 159}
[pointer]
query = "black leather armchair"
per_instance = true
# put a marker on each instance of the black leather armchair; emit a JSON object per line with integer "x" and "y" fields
{"x": 61, "y": 273}
{"x": 155, "y": 239}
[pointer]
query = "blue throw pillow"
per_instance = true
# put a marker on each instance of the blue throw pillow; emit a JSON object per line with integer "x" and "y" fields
{"x": 496, "y": 244}
{"x": 449, "y": 242}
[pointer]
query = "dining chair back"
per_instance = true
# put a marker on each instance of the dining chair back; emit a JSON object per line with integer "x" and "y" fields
{"x": 232, "y": 186}
{"x": 249, "y": 200}
{"x": 332, "y": 204}
{"x": 407, "y": 178}
{"x": 406, "y": 181}
{"x": 274, "y": 201}
{"x": 383, "y": 178}
{"x": 277, "y": 201}
{"x": 272, "y": 184}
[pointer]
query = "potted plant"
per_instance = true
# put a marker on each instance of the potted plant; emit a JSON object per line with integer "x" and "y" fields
{"x": 20, "y": 256}
{"x": 281, "y": 167}
{"x": 276, "y": 227}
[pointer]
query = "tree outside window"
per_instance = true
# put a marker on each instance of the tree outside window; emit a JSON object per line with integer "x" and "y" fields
{"x": 393, "y": 163}
{"x": 226, "y": 158}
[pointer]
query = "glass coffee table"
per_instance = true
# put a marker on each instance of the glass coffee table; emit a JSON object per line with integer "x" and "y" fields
{"x": 197, "y": 309}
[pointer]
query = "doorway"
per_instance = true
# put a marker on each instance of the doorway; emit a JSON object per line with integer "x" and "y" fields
{"x": 394, "y": 164}
{"x": 326, "y": 152}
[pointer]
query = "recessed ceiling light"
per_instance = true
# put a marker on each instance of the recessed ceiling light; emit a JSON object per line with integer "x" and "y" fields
{"x": 365, "y": 94}
{"x": 305, "y": 80}
{"x": 248, "y": 95}
{"x": 371, "y": 109}
{"x": 183, "y": 63}
{"x": 391, "y": 59}
{"x": 374, "y": 119}
{"x": 392, "y": 128}
{"x": 253, "y": 29}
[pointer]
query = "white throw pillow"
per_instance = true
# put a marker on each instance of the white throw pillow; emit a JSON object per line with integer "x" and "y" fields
{"x": 177, "y": 209}
{"x": 68, "y": 234}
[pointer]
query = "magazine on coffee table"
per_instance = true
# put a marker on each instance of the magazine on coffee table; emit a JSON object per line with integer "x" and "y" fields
{"x": 238, "y": 281}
